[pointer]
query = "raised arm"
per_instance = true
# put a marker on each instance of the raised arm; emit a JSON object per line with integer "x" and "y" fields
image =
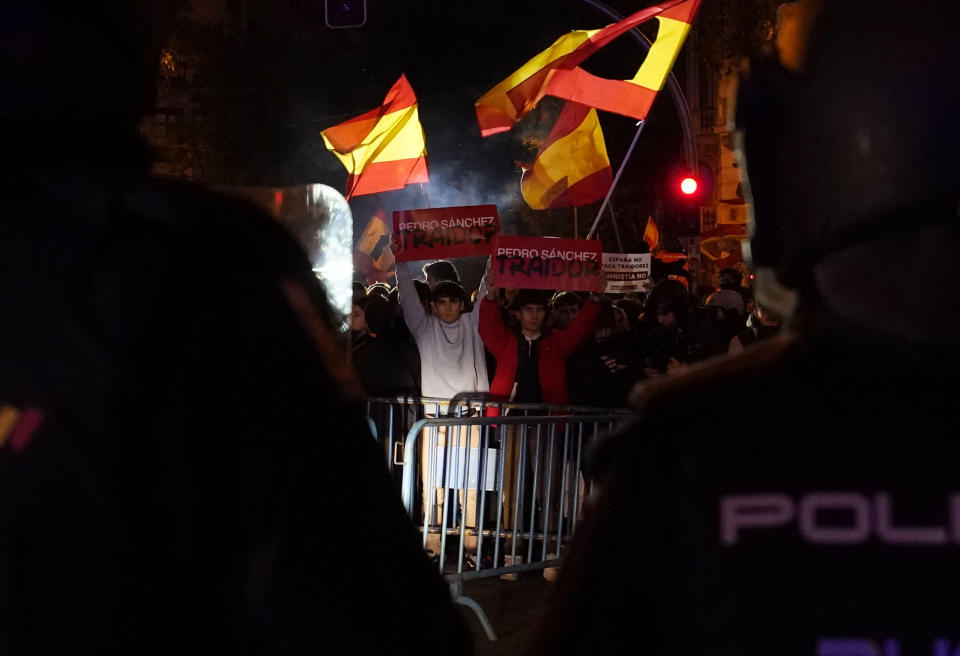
{"x": 413, "y": 312}
{"x": 483, "y": 291}
{"x": 492, "y": 331}
{"x": 486, "y": 287}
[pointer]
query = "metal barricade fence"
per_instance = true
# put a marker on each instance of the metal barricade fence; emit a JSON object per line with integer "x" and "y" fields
{"x": 391, "y": 417}
{"x": 491, "y": 495}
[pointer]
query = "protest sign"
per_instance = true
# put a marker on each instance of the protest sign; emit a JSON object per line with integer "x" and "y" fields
{"x": 547, "y": 263}
{"x": 626, "y": 272}
{"x": 444, "y": 232}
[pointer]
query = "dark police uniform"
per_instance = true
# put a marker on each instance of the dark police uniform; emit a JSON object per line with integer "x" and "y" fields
{"x": 822, "y": 520}
{"x": 802, "y": 498}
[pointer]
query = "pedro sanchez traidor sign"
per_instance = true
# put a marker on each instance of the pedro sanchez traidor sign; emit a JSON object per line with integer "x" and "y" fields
{"x": 547, "y": 263}
{"x": 626, "y": 272}
{"x": 444, "y": 232}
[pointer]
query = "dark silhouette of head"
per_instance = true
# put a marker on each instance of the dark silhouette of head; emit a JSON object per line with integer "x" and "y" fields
{"x": 439, "y": 271}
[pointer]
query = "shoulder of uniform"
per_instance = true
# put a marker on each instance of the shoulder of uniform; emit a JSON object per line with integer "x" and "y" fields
{"x": 714, "y": 374}
{"x": 692, "y": 399}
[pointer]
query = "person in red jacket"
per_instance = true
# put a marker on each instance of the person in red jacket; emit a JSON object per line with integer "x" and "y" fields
{"x": 531, "y": 368}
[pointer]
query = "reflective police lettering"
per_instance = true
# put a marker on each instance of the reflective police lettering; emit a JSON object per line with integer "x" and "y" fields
{"x": 846, "y": 647}
{"x": 833, "y": 518}
{"x": 854, "y": 506}
{"x": 753, "y": 510}
{"x": 905, "y": 534}
{"x": 941, "y": 647}
{"x": 868, "y": 647}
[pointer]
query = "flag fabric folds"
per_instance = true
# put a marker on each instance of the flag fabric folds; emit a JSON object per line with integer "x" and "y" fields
{"x": 373, "y": 256}
{"x": 572, "y": 167}
{"x": 384, "y": 148}
{"x": 556, "y": 71}
{"x": 651, "y": 234}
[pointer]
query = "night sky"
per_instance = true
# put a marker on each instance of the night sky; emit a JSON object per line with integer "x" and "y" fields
{"x": 452, "y": 53}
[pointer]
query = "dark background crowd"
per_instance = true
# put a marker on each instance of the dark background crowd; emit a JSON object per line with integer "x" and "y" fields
{"x": 636, "y": 337}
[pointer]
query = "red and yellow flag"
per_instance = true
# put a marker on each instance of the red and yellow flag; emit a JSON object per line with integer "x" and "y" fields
{"x": 572, "y": 167}
{"x": 556, "y": 71}
{"x": 384, "y": 148}
{"x": 373, "y": 256}
{"x": 651, "y": 234}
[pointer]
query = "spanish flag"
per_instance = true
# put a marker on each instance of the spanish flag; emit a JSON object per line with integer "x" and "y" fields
{"x": 373, "y": 256}
{"x": 651, "y": 234}
{"x": 556, "y": 71}
{"x": 572, "y": 167}
{"x": 384, "y": 148}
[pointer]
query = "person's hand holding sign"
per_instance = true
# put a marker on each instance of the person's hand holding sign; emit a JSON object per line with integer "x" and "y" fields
{"x": 488, "y": 281}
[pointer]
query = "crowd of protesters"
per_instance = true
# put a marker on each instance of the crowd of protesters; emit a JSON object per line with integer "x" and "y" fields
{"x": 430, "y": 337}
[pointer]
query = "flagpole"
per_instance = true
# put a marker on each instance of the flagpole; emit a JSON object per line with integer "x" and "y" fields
{"x": 616, "y": 179}
{"x": 671, "y": 84}
{"x": 616, "y": 229}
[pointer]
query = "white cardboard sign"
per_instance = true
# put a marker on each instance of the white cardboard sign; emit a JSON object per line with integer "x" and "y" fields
{"x": 626, "y": 272}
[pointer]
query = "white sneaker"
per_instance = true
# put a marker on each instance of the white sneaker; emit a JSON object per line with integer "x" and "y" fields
{"x": 509, "y": 560}
{"x": 551, "y": 573}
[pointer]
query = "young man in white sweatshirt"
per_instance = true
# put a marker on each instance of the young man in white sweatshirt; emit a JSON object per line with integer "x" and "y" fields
{"x": 452, "y": 361}
{"x": 452, "y": 358}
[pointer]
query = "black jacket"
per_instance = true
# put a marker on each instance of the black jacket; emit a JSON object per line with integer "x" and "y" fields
{"x": 802, "y": 495}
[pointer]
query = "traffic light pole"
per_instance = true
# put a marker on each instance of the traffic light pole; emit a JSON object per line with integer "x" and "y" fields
{"x": 679, "y": 100}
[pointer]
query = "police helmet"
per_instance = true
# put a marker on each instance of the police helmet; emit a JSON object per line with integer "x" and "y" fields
{"x": 855, "y": 138}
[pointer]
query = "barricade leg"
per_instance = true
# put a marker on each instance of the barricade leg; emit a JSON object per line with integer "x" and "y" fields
{"x": 449, "y": 457}
{"x": 456, "y": 591}
{"x": 465, "y": 443}
{"x": 514, "y": 458}
{"x": 511, "y": 456}
{"x": 539, "y": 486}
{"x": 431, "y": 494}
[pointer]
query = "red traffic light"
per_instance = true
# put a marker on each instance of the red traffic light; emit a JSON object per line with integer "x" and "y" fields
{"x": 689, "y": 187}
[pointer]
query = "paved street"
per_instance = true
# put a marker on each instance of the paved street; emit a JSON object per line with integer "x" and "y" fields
{"x": 514, "y": 608}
